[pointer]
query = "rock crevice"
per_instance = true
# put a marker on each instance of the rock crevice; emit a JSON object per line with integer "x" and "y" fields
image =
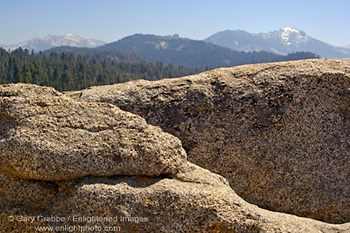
{"x": 278, "y": 132}
{"x": 71, "y": 156}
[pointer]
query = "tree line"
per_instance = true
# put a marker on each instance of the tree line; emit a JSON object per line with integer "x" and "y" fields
{"x": 67, "y": 72}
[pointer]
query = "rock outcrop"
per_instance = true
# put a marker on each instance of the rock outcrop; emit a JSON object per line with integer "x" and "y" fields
{"x": 279, "y": 132}
{"x": 58, "y": 174}
{"x": 138, "y": 204}
{"x": 65, "y": 139}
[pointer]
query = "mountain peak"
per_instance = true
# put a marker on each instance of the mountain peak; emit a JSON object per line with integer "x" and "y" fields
{"x": 290, "y": 35}
{"x": 283, "y": 41}
{"x": 50, "y": 41}
{"x": 290, "y": 29}
{"x": 73, "y": 37}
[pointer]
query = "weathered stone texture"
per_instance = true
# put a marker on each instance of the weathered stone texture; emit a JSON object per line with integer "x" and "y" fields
{"x": 47, "y": 136}
{"x": 71, "y": 159}
{"x": 140, "y": 204}
{"x": 279, "y": 132}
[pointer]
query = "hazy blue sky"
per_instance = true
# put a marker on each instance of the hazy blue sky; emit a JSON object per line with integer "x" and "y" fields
{"x": 110, "y": 20}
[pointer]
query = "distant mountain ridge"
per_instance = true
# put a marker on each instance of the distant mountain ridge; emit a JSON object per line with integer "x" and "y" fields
{"x": 284, "y": 41}
{"x": 43, "y": 43}
{"x": 171, "y": 49}
{"x": 192, "y": 53}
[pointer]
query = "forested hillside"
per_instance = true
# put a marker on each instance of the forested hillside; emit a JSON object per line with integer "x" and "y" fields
{"x": 67, "y": 71}
{"x": 194, "y": 53}
{"x": 93, "y": 53}
{"x": 136, "y": 57}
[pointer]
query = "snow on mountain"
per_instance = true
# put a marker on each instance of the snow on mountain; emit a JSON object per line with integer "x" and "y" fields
{"x": 290, "y": 35}
{"x": 71, "y": 39}
{"x": 286, "y": 33}
{"x": 284, "y": 41}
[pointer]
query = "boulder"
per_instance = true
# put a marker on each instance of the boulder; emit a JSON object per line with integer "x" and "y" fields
{"x": 278, "y": 132}
{"x": 50, "y": 181}
{"x": 48, "y": 136}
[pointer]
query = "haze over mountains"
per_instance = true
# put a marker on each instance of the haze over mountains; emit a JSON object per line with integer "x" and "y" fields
{"x": 284, "y": 41}
{"x": 193, "y": 53}
{"x": 43, "y": 43}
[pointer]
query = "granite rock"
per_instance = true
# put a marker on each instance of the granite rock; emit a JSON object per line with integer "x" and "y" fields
{"x": 279, "y": 132}
{"x": 139, "y": 204}
{"x": 50, "y": 188}
{"x": 48, "y": 136}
